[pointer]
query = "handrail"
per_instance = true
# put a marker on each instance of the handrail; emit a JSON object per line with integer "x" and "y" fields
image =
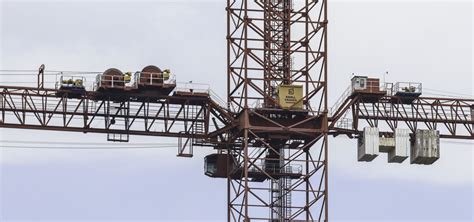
{"x": 341, "y": 99}
{"x": 221, "y": 102}
{"x": 193, "y": 87}
{"x": 277, "y": 168}
{"x": 408, "y": 87}
{"x": 153, "y": 77}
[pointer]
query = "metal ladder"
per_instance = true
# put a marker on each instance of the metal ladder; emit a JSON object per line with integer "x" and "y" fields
{"x": 186, "y": 143}
{"x": 287, "y": 197}
{"x": 280, "y": 196}
{"x": 118, "y": 109}
{"x": 197, "y": 127}
{"x": 185, "y": 146}
{"x": 280, "y": 192}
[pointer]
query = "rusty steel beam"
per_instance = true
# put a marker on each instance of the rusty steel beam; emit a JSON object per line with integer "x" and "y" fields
{"x": 452, "y": 116}
{"x": 94, "y": 112}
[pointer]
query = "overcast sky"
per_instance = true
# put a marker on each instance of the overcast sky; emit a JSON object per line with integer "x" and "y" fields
{"x": 419, "y": 41}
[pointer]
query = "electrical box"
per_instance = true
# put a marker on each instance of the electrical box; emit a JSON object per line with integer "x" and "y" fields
{"x": 368, "y": 144}
{"x": 290, "y": 96}
{"x": 402, "y": 145}
{"x": 426, "y": 148}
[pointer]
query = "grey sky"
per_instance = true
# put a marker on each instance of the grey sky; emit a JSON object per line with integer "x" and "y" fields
{"x": 424, "y": 41}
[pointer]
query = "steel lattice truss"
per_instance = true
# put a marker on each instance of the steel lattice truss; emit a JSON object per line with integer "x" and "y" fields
{"x": 183, "y": 117}
{"x": 452, "y": 117}
{"x": 270, "y": 43}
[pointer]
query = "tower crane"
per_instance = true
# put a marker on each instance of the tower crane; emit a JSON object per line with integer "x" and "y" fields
{"x": 271, "y": 135}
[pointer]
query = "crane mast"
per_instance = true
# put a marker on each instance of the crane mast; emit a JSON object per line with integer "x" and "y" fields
{"x": 281, "y": 137}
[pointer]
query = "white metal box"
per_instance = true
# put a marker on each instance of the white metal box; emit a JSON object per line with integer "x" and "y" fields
{"x": 426, "y": 148}
{"x": 402, "y": 144}
{"x": 368, "y": 145}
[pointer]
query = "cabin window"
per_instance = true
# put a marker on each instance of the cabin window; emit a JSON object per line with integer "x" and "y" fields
{"x": 210, "y": 166}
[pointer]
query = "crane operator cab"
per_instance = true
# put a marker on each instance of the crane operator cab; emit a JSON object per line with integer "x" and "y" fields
{"x": 70, "y": 86}
{"x": 219, "y": 165}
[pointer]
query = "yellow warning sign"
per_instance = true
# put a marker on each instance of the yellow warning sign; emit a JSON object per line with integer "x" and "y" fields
{"x": 289, "y": 96}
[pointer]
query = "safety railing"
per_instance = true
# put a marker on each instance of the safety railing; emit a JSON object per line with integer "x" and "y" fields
{"x": 258, "y": 104}
{"x": 407, "y": 87}
{"x": 110, "y": 81}
{"x": 193, "y": 87}
{"x": 275, "y": 168}
{"x": 345, "y": 123}
{"x": 341, "y": 100}
{"x": 388, "y": 87}
{"x": 220, "y": 101}
{"x": 146, "y": 78}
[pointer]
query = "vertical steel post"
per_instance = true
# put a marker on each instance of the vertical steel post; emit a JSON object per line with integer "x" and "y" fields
{"x": 41, "y": 77}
